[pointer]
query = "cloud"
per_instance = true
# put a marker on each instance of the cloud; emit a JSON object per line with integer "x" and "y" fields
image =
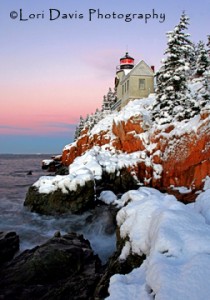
{"x": 2, "y": 126}
{"x": 7, "y": 127}
{"x": 104, "y": 63}
{"x": 40, "y": 128}
{"x": 60, "y": 125}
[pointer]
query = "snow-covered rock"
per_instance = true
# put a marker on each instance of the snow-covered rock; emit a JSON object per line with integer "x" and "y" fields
{"x": 176, "y": 241}
{"x": 107, "y": 197}
{"x": 59, "y": 194}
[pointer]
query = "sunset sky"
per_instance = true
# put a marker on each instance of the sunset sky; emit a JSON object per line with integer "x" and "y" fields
{"x": 53, "y": 71}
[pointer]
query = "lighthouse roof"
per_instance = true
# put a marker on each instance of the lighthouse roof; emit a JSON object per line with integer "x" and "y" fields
{"x": 140, "y": 69}
{"x": 126, "y": 56}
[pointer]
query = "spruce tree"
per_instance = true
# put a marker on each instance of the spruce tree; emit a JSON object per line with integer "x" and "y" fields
{"x": 79, "y": 128}
{"x": 208, "y": 45}
{"x": 76, "y": 133}
{"x": 81, "y": 124}
{"x": 204, "y": 93}
{"x": 172, "y": 101}
{"x": 202, "y": 76}
{"x": 202, "y": 62}
{"x": 192, "y": 58}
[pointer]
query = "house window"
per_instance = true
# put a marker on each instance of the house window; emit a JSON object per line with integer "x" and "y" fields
{"x": 123, "y": 89}
{"x": 142, "y": 84}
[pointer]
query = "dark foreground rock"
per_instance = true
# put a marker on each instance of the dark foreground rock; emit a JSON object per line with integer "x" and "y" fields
{"x": 51, "y": 165}
{"x": 119, "y": 182}
{"x": 58, "y": 202}
{"x": 9, "y": 245}
{"x": 63, "y": 268}
{"x": 115, "y": 265}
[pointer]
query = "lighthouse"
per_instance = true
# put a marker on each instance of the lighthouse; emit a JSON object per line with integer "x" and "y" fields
{"x": 126, "y": 65}
{"x": 132, "y": 81}
{"x": 126, "y": 62}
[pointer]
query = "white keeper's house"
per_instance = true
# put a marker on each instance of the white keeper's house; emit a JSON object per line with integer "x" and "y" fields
{"x": 132, "y": 81}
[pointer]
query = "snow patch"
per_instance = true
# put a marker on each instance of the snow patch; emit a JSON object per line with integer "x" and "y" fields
{"x": 66, "y": 183}
{"x": 202, "y": 205}
{"x": 181, "y": 189}
{"x": 100, "y": 159}
{"x": 107, "y": 197}
{"x": 206, "y": 183}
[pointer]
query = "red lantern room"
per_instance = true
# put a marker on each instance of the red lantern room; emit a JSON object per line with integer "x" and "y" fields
{"x": 126, "y": 62}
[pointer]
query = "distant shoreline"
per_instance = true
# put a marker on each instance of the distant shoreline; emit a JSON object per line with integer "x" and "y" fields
{"x": 28, "y": 154}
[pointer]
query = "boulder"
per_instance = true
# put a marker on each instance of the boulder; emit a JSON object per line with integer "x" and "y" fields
{"x": 63, "y": 170}
{"x": 53, "y": 164}
{"x": 115, "y": 265}
{"x": 65, "y": 267}
{"x": 184, "y": 156}
{"x": 119, "y": 181}
{"x": 9, "y": 245}
{"x": 58, "y": 202}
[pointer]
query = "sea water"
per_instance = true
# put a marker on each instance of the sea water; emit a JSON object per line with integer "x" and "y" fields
{"x": 34, "y": 229}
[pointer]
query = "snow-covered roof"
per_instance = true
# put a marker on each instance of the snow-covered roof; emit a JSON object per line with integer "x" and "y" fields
{"x": 140, "y": 69}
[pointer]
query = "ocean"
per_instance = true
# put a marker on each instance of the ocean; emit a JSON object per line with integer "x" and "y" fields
{"x": 34, "y": 229}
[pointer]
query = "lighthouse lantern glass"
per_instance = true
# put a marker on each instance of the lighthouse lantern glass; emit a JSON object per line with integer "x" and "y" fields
{"x": 127, "y": 61}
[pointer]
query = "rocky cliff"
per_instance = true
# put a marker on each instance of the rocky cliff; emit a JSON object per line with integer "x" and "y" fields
{"x": 168, "y": 157}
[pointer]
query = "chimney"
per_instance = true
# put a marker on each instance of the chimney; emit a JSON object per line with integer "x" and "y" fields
{"x": 153, "y": 68}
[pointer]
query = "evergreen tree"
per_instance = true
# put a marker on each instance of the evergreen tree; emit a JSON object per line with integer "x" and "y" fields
{"x": 105, "y": 105}
{"x": 111, "y": 96}
{"x": 204, "y": 94}
{"x": 76, "y": 133}
{"x": 79, "y": 128}
{"x": 208, "y": 45}
{"x": 160, "y": 87}
{"x": 172, "y": 102}
{"x": 205, "y": 90}
{"x": 202, "y": 62}
{"x": 93, "y": 119}
{"x": 108, "y": 101}
{"x": 192, "y": 58}
{"x": 202, "y": 76}
{"x": 81, "y": 124}
{"x": 97, "y": 116}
